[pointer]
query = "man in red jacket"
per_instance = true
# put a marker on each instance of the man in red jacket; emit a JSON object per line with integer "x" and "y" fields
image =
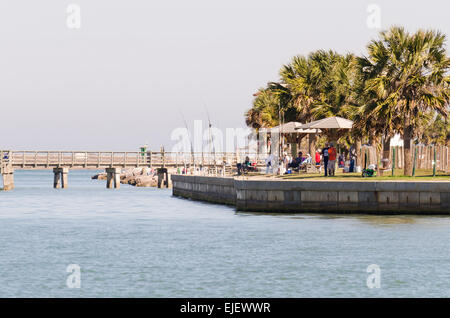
{"x": 331, "y": 159}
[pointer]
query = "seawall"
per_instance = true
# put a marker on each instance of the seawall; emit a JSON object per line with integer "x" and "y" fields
{"x": 377, "y": 197}
{"x": 210, "y": 189}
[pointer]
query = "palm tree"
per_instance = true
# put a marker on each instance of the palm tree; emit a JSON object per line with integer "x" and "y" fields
{"x": 263, "y": 113}
{"x": 408, "y": 75}
{"x": 310, "y": 88}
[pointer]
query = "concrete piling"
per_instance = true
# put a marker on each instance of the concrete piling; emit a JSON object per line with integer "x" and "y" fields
{"x": 163, "y": 177}
{"x": 8, "y": 177}
{"x": 113, "y": 177}
{"x": 60, "y": 178}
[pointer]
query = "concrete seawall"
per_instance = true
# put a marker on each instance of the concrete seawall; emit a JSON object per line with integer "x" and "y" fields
{"x": 383, "y": 197}
{"x": 211, "y": 189}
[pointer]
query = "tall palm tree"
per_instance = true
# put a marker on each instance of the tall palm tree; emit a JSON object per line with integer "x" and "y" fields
{"x": 409, "y": 75}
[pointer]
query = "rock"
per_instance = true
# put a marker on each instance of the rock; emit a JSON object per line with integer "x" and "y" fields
{"x": 146, "y": 181}
{"x": 126, "y": 180}
{"x": 99, "y": 176}
{"x": 139, "y": 177}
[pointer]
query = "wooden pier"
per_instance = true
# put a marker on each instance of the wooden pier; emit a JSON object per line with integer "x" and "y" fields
{"x": 62, "y": 161}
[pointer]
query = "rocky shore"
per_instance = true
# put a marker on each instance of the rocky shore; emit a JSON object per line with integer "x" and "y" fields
{"x": 138, "y": 177}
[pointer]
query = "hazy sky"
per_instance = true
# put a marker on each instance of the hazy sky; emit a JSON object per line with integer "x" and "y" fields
{"x": 123, "y": 78}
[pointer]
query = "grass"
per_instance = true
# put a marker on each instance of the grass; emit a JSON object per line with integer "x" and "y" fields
{"x": 421, "y": 175}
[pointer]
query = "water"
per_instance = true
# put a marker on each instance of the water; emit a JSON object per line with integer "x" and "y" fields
{"x": 142, "y": 242}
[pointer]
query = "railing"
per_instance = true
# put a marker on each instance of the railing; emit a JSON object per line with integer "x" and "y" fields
{"x": 426, "y": 157}
{"x": 99, "y": 159}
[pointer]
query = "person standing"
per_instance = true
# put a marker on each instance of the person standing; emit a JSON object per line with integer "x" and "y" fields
{"x": 317, "y": 157}
{"x": 352, "y": 159}
{"x": 269, "y": 163}
{"x": 341, "y": 161}
{"x": 286, "y": 161}
{"x": 325, "y": 158}
{"x": 332, "y": 159}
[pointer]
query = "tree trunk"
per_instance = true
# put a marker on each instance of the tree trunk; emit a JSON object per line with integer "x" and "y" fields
{"x": 358, "y": 153}
{"x": 386, "y": 151}
{"x": 408, "y": 153}
{"x": 312, "y": 146}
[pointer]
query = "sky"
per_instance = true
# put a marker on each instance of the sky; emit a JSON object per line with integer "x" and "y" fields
{"x": 118, "y": 74}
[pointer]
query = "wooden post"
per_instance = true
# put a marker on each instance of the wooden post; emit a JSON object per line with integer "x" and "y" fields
{"x": 163, "y": 154}
{"x": 430, "y": 157}
{"x": 401, "y": 157}
{"x": 419, "y": 156}
{"x": 434, "y": 161}
{"x": 151, "y": 163}
{"x": 447, "y": 166}
{"x": 393, "y": 161}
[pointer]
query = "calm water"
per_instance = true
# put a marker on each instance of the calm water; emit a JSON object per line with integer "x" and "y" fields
{"x": 144, "y": 243}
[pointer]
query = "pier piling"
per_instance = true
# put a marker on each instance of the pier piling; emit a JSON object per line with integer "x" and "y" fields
{"x": 8, "y": 177}
{"x": 60, "y": 178}
{"x": 163, "y": 177}
{"x": 113, "y": 177}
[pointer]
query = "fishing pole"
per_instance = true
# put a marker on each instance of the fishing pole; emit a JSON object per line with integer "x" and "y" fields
{"x": 189, "y": 137}
{"x": 211, "y": 140}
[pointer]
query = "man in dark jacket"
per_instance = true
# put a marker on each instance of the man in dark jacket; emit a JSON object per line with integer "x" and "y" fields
{"x": 325, "y": 158}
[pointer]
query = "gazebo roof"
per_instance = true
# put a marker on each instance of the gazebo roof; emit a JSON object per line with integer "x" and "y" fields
{"x": 328, "y": 123}
{"x": 291, "y": 128}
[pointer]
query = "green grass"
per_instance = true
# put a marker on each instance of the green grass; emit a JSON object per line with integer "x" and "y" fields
{"x": 421, "y": 175}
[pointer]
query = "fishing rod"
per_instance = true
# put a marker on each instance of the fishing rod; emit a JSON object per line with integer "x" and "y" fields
{"x": 189, "y": 136}
{"x": 211, "y": 141}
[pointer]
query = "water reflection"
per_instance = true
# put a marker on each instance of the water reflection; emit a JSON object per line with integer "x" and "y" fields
{"x": 371, "y": 219}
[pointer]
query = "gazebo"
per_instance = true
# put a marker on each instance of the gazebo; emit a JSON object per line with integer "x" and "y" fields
{"x": 337, "y": 124}
{"x": 293, "y": 132}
